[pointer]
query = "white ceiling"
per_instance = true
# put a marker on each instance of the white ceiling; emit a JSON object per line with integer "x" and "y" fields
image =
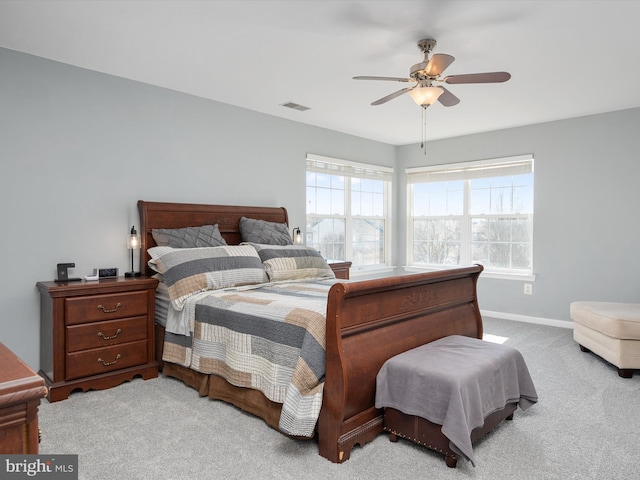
{"x": 567, "y": 58}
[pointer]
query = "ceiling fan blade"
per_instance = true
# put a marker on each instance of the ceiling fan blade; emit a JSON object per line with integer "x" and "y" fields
{"x": 438, "y": 64}
{"x": 447, "y": 98}
{"x": 393, "y": 79}
{"x": 392, "y": 96}
{"x": 490, "y": 77}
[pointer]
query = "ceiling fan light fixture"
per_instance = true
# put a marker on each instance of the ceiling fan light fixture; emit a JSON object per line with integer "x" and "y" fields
{"x": 425, "y": 96}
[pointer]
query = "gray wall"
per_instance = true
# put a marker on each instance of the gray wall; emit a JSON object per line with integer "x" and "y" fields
{"x": 79, "y": 149}
{"x": 586, "y": 228}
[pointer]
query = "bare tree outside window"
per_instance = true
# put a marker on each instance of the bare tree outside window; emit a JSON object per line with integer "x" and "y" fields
{"x": 436, "y": 241}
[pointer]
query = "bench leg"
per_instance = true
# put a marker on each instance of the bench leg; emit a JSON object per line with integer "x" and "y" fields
{"x": 584, "y": 349}
{"x": 393, "y": 437}
{"x": 625, "y": 372}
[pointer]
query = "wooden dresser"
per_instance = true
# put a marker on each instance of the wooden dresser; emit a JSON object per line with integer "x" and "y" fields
{"x": 20, "y": 392}
{"x": 96, "y": 334}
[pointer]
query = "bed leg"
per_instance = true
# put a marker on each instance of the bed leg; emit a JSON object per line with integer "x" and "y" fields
{"x": 451, "y": 460}
{"x": 337, "y": 447}
{"x": 584, "y": 349}
{"x": 393, "y": 437}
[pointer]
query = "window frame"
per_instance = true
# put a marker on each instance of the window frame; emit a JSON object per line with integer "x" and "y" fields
{"x": 349, "y": 170}
{"x": 467, "y": 171}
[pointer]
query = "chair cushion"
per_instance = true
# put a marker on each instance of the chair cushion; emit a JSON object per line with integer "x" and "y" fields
{"x": 617, "y": 320}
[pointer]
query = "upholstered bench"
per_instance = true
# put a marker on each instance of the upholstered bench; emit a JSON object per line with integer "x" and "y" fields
{"x": 611, "y": 330}
{"x": 448, "y": 393}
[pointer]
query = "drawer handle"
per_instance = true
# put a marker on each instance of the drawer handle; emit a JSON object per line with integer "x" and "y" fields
{"x": 110, "y": 310}
{"x": 110, "y": 337}
{"x": 106, "y": 364}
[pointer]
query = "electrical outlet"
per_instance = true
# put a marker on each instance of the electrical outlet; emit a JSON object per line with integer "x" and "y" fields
{"x": 528, "y": 289}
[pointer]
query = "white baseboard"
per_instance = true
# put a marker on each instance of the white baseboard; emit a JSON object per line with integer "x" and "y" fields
{"x": 527, "y": 319}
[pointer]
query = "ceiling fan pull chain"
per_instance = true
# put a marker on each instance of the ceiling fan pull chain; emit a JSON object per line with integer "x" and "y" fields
{"x": 423, "y": 144}
{"x": 422, "y": 129}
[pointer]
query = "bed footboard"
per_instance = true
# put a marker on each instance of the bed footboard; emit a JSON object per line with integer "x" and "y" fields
{"x": 369, "y": 322}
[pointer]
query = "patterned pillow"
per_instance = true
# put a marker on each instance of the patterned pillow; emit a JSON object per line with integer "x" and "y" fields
{"x": 293, "y": 262}
{"x": 190, "y": 237}
{"x": 191, "y": 270}
{"x": 263, "y": 232}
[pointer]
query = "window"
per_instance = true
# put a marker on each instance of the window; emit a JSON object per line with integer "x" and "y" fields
{"x": 348, "y": 211}
{"x": 474, "y": 212}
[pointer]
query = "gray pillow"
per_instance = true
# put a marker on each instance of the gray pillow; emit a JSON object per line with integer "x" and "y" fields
{"x": 263, "y": 232}
{"x": 190, "y": 237}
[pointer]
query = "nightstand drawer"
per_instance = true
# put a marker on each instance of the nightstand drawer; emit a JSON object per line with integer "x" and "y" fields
{"x": 103, "y": 360}
{"x": 104, "y": 334}
{"x": 105, "y": 307}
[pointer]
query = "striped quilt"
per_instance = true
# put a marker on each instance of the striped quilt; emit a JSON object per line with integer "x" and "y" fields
{"x": 269, "y": 337}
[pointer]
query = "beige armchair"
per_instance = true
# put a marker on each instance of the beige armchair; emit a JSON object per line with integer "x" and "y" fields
{"x": 610, "y": 330}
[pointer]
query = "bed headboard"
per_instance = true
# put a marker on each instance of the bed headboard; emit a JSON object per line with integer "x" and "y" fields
{"x": 181, "y": 215}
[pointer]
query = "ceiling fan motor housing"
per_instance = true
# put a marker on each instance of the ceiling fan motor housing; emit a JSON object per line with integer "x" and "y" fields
{"x": 418, "y": 72}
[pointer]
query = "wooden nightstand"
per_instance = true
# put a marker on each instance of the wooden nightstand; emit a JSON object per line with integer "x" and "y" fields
{"x": 341, "y": 269}
{"x": 96, "y": 334}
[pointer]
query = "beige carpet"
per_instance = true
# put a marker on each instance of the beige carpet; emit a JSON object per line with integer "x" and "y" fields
{"x": 586, "y": 425}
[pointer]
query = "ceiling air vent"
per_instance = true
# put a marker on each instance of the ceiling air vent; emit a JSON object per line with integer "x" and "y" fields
{"x": 295, "y": 106}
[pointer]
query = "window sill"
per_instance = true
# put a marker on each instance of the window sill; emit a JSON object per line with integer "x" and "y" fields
{"x": 374, "y": 271}
{"x": 522, "y": 277}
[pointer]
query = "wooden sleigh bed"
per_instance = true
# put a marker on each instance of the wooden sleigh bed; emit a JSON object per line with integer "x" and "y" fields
{"x": 367, "y": 322}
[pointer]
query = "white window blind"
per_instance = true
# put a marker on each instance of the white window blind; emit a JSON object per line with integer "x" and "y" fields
{"x": 333, "y": 166}
{"x": 519, "y": 165}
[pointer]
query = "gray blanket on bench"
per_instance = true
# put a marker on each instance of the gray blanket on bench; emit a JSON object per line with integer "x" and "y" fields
{"x": 456, "y": 382}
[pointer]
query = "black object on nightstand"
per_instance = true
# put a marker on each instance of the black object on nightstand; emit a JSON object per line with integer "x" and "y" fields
{"x": 63, "y": 273}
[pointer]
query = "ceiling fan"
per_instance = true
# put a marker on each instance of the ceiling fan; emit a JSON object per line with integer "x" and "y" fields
{"x": 428, "y": 72}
